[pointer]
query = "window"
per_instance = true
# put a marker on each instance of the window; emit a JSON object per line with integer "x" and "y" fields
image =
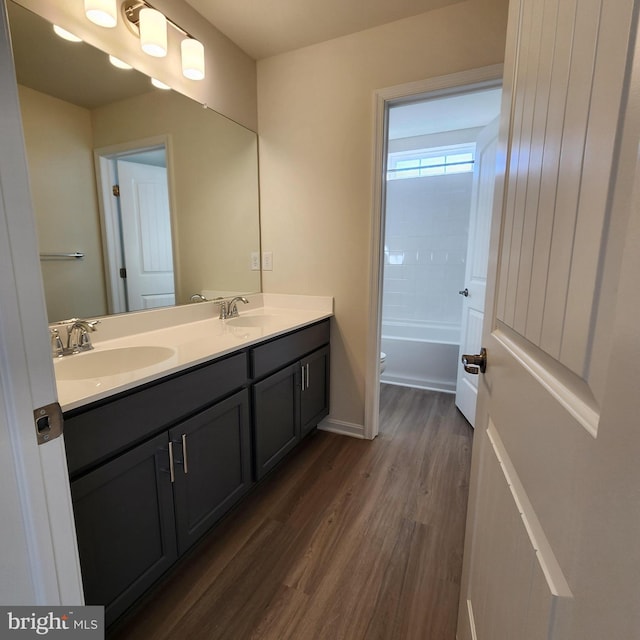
{"x": 421, "y": 163}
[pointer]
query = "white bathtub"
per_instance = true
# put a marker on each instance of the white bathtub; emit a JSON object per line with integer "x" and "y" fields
{"x": 421, "y": 355}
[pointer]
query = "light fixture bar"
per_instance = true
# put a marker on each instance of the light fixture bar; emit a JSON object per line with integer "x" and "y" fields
{"x": 131, "y": 11}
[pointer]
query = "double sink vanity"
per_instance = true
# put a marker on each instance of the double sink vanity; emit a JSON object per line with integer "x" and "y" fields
{"x": 173, "y": 417}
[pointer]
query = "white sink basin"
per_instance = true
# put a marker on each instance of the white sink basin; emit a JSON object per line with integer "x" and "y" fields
{"x": 253, "y": 321}
{"x": 110, "y": 362}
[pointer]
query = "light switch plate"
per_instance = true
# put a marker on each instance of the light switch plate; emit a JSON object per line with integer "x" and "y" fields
{"x": 255, "y": 261}
{"x": 267, "y": 260}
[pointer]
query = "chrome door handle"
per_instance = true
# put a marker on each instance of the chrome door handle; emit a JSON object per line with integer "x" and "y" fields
{"x": 475, "y": 364}
{"x": 464, "y": 292}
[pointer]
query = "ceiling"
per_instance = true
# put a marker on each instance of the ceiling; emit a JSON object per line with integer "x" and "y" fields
{"x": 263, "y": 28}
{"x": 447, "y": 113}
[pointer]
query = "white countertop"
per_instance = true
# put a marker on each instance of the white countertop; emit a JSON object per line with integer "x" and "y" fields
{"x": 191, "y": 342}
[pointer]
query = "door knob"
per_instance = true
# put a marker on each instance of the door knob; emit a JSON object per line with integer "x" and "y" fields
{"x": 475, "y": 364}
{"x": 464, "y": 292}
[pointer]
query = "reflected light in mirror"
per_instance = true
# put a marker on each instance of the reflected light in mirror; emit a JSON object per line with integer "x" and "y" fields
{"x": 158, "y": 84}
{"x": 120, "y": 64}
{"x": 66, "y": 35}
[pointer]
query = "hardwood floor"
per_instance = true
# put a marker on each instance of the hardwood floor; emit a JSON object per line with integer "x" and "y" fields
{"x": 349, "y": 540}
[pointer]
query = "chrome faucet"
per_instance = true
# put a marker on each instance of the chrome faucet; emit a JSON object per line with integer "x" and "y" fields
{"x": 78, "y": 338}
{"x": 232, "y": 306}
{"x": 230, "y": 309}
{"x": 196, "y": 297}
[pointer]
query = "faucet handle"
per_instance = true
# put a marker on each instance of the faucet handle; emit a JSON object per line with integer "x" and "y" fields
{"x": 223, "y": 308}
{"x": 57, "y": 348}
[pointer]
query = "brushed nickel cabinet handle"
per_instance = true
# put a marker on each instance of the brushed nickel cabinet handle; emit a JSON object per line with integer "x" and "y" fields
{"x": 172, "y": 473}
{"x": 184, "y": 453}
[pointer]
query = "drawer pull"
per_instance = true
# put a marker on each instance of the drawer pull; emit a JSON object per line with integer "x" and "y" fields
{"x": 302, "y": 372}
{"x": 307, "y": 368}
{"x": 184, "y": 453}
{"x": 172, "y": 473}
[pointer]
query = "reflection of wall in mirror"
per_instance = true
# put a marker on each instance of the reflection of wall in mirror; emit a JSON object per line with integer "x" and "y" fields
{"x": 213, "y": 164}
{"x": 59, "y": 144}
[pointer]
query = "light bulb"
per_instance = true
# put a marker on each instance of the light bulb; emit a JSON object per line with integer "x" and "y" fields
{"x": 158, "y": 84}
{"x": 121, "y": 64}
{"x": 67, "y": 35}
{"x": 192, "y": 59}
{"x": 153, "y": 32}
{"x": 104, "y": 13}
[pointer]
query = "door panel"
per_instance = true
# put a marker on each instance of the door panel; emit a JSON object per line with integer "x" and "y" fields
{"x": 125, "y": 526}
{"x": 476, "y": 264}
{"x": 146, "y": 231}
{"x": 548, "y": 331}
{"x": 213, "y": 466}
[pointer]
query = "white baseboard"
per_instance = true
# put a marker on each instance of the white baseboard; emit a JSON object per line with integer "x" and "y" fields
{"x": 342, "y": 428}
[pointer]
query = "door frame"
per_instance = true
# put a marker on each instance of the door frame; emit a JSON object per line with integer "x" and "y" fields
{"x": 480, "y": 78}
{"x": 109, "y": 212}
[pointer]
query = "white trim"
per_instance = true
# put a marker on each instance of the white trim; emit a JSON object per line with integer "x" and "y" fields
{"x": 342, "y": 428}
{"x": 44, "y": 564}
{"x": 383, "y": 99}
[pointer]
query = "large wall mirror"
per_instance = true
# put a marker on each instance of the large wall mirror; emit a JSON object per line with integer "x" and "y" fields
{"x": 184, "y": 216}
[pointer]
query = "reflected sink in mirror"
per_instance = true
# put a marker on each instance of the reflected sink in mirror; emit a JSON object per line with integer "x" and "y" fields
{"x": 110, "y": 362}
{"x": 261, "y": 321}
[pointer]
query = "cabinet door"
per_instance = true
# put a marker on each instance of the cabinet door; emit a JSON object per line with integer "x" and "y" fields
{"x": 314, "y": 401}
{"x": 125, "y": 526}
{"x": 212, "y": 466}
{"x": 276, "y": 405}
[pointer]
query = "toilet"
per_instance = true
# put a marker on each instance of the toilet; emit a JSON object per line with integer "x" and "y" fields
{"x": 383, "y": 361}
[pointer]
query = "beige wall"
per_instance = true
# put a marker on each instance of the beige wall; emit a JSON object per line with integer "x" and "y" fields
{"x": 230, "y": 83}
{"x": 315, "y": 116}
{"x": 214, "y": 180}
{"x": 59, "y": 146}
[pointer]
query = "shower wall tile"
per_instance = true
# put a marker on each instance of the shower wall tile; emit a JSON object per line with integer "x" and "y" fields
{"x": 427, "y": 221}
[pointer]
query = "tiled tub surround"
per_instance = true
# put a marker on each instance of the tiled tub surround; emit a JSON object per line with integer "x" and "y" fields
{"x": 192, "y": 332}
{"x": 426, "y": 236}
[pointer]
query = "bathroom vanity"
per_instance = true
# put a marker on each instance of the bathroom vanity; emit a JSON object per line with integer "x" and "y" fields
{"x": 155, "y": 465}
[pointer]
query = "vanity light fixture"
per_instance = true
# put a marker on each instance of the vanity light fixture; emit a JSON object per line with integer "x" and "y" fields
{"x": 121, "y": 64}
{"x": 192, "y": 59}
{"x": 153, "y": 32}
{"x": 151, "y": 26}
{"x": 104, "y": 13}
{"x": 67, "y": 35}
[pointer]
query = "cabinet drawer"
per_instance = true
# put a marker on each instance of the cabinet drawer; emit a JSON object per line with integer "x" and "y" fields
{"x": 96, "y": 434}
{"x": 282, "y": 351}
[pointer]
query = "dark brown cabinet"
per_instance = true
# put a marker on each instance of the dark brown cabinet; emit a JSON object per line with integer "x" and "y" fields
{"x": 154, "y": 469}
{"x": 289, "y": 403}
{"x": 212, "y": 466}
{"x": 125, "y": 525}
{"x": 136, "y": 514}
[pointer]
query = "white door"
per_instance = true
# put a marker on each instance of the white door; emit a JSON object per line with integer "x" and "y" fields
{"x": 146, "y": 231}
{"x": 38, "y": 555}
{"x": 484, "y": 179}
{"x": 552, "y": 544}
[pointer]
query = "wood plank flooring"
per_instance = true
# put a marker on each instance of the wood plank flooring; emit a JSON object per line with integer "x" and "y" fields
{"x": 348, "y": 540}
